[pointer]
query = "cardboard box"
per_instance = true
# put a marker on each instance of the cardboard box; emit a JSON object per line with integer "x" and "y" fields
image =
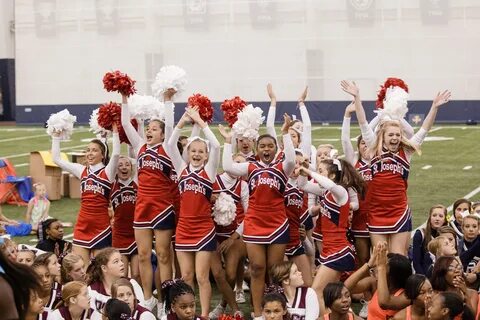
{"x": 42, "y": 169}
{"x": 74, "y": 187}
{"x": 78, "y": 157}
{"x": 65, "y": 185}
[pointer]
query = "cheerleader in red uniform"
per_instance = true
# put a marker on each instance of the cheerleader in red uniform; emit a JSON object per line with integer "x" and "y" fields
{"x": 231, "y": 248}
{"x": 295, "y": 205}
{"x": 265, "y": 234}
{"x": 390, "y": 217}
{"x": 338, "y": 254}
{"x": 156, "y": 195}
{"x": 92, "y": 230}
{"x": 195, "y": 234}
{"x": 124, "y": 193}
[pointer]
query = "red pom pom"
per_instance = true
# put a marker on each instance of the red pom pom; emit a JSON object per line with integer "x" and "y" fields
{"x": 390, "y": 82}
{"x": 119, "y": 82}
{"x": 109, "y": 113}
{"x": 231, "y": 108}
{"x": 204, "y": 105}
{"x": 121, "y": 133}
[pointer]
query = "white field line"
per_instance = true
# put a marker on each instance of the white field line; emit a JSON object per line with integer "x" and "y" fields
{"x": 21, "y": 165}
{"x": 68, "y": 236}
{"x": 22, "y": 138}
{"x": 26, "y": 154}
{"x": 426, "y": 167}
{"x": 435, "y": 129}
{"x": 467, "y": 167}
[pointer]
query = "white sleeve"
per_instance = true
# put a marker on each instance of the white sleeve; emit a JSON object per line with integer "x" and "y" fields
{"x": 111, "y": 168}
{"x": 407, "y": 128}
{"x": 289, "y": 151}
{"x": 353, "y": 195}
{"x": 312, "y": 201}
{"x": 339, "y": 193}
{"x": 74, "y": 168}
{"x": 138, "y": 291}
{"x": 368, "y": 135}
{"x": 173, "y": 152}
{"x": 346, "y": 142}
{"x": 373, "y": 124}
{"x": 169, "y": 122}
{"x": 214, "y": 154}
{"x": 313, "y": 158}
{"x": 307, "y": 131}
{"x": 147, "y": 315}
{"x": 311, "y": 305}
{"x": 418, "y": 137}
{"x": 135, "y": 139}
{"x": 236, "y": 169}
{"x": 271, "y": 122}
{"x": 55, "y": 315}
{"x": 244, "y": 195}
{"x": 309, "y": 186}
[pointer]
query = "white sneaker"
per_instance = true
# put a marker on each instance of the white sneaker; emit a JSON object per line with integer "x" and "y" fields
{"x": 217, "y": 312}
{"x": 245, "y": 286}
{"x": 150, "y": 303}
{"x": 238, "y": 314}
{"x": 364, "y": 311}
{"x": 240, "y": 296}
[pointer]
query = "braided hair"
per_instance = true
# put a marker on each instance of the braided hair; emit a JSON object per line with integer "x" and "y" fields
{"x": 172, "y": 289}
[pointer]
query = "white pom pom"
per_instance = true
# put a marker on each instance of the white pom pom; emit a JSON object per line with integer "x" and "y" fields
{"x": 249, "y": 121}
{"x": 61, "y": 122}
{"x": 145, "y": 107}
{"x": 224, "y": 210}
{"x": 169, "y": 77}
{"x": 395, "y": 104}
{"x": 95, "y": 127}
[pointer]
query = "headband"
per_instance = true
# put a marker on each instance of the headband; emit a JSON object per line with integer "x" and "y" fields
{"x": 338, "y": 164}
{"x": 197, "y": 138}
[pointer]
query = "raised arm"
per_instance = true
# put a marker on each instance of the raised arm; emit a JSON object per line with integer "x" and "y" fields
{"x": 288, "y": 149}
{"x": 111, "y": 168}
{"x": 339, "y": 193}
{"x": 306, "y": 143}
{"x": 171, "y": 146}
{"x": 440, "y": 99}
{"x": 385, "y": 299}
{"x": 214, "y": 153}
{"x": 74, "y": 168}
{"x": 310, "y": 187}
{"x": 236, "y": 169}
{"x": 271, "y": 112}
{"x": 135, "y": 139}
{"x": 367, "y": 133}
{"x": 346, "y": 142}
{"x": 169, "y": 113}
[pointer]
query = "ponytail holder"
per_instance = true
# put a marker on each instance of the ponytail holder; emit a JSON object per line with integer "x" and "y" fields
{"x": 125, "y": 316}
{"x": 273, "y": 288}
{"x": 338, "y": 164}
{"x": 171, "y": 282}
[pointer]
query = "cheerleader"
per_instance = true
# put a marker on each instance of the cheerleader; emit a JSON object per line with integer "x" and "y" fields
{"x": 124, "y": 192}
{"x": 295, "y": 206}
{"x": 35, "y": 309}
{"x": 51, "y": 292}
{"x": 300, "y": 131}
{"x": 390, "y": 217}
{"x": 231, "y": 249}
{"x": 195, "y": 233}
{"x": 157, "y": 189}
{"x": 122, "y": 290}
{"x": 362, "y": 164}
{"x": 266, "y": 235}
{"x": 302, "y": 302}
{"x": 337, "y": 255}
{"x": 92, "y": 230}
{"x": 106, "y": 268}
{"x": 75, "y": 304}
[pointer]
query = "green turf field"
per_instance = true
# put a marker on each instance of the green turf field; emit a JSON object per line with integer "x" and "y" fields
{"x": 448, "y": 168}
